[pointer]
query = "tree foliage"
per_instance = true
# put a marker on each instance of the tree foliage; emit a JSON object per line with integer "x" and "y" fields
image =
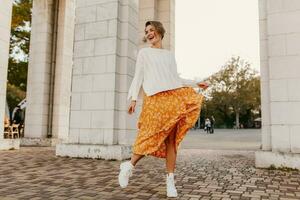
{"x": 20, "y": 26}
{"x": 18, "y": 51}
{"x": 235, "y": 92}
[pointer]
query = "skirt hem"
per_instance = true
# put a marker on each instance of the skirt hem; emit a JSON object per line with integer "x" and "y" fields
{"x": 169, "y": 111}
{"x": 173, "y": 124}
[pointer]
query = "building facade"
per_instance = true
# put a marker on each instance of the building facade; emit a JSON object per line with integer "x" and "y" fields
{"x": 82, "y": 59}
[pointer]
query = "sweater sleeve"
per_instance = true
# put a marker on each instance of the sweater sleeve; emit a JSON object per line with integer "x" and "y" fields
{"x": 189, "y": 82}
{"x": 138, "y": 78}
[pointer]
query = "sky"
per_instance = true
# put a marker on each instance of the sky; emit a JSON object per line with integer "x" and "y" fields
{"x": 209, "y": 32}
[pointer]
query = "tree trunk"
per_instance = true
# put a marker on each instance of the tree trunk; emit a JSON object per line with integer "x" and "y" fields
{"x": 237, "y": 119}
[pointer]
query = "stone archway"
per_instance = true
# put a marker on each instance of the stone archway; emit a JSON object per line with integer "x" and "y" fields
{"x": 82, "y": 61}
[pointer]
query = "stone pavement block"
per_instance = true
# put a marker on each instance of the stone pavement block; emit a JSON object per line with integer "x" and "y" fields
{"x": 35, "y": 173}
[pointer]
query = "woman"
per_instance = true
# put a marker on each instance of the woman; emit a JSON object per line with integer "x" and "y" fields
{"x": 170, "y": 106}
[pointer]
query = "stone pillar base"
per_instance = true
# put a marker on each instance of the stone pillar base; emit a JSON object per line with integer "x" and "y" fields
{"x": 265, "y": 159}
{"x": 107, "y": 152}
{"x": 39, "y": 142}
{"x": 9, "y": 144}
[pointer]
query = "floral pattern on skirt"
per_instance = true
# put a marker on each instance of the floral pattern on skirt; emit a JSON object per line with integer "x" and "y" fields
{"x": 163, "y": 112}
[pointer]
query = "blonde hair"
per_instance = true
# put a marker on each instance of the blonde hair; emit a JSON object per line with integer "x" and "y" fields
{"x": 159, "y": 28}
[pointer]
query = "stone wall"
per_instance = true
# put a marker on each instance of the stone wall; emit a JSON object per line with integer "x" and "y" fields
{"x": 63, "y": 70}
{"x": 39, "y": 70}
{"x": 104, "y": 57}
{"x": 280, "y": 71}
{"x": 163, "y": 11}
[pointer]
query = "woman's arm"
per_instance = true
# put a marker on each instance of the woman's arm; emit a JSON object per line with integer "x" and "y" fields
{"x": 189, "y": 82}
{"x": 194, "y": 84}
{"x": 137, "y": 81}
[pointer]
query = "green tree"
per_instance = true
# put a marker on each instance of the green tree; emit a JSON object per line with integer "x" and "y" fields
{"x": 20, "y": 28}
{"x": 18, "y": 51}
{"x": 235, "y": 91}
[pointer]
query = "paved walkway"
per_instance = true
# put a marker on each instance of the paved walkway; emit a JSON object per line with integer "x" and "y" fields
{"x": 35, "y": 173}
{"x": 225, "y": 139}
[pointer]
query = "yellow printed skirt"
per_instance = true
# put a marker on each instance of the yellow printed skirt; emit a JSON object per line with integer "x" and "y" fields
{"x": 167, "y": 111}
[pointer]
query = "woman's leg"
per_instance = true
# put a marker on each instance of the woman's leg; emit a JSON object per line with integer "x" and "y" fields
{"x": 171, "y": 152}
{"x": 126, "y": 169}
{"x": 135, "y": 158}
{"x": 170, "y": 164}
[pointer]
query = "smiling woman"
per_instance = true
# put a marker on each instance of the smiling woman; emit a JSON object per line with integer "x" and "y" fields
{"x": 170, "y": 106}
{"x": 150, "y": 30}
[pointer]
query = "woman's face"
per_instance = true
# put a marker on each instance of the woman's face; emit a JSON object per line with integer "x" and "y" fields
{"x": 151, "y": 35}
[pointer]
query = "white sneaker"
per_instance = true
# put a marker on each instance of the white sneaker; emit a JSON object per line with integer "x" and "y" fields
{"x": 125, "y": 172}
{"x": 171, "y": 189}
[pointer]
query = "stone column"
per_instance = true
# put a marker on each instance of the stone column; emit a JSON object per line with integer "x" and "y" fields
{"x": 264, "y": 74}
{"x": 283, "y": 75}
{"x": 39, "y": 74}
{"x": 5, "y": 23}
{"x": 147, "y": 12}
{"x": 104, "y": 58}
{"x": 166, "y": 15}
{"x": 63, "y": 70}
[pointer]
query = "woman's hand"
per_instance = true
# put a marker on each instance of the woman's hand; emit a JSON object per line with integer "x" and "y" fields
{"x": 203, "y": 85}
{"x": 131, "y": 107}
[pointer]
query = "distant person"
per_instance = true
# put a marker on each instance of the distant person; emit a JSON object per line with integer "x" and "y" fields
{"x": 207, "y": 125}
{"x": 18, "y": 118}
